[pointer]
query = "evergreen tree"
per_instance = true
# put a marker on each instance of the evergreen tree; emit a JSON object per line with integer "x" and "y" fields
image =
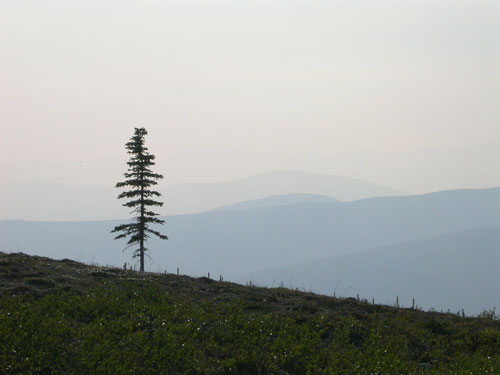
{"x": 140, "y": 179}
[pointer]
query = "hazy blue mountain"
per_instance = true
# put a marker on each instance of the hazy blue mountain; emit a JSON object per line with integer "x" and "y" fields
{"x": 451, "y": 271}
{"x": 238, "y": 242}
{"x": 191, "y": 198}
{"x": 48, "y": 201}
{"x": 277, "y": 200}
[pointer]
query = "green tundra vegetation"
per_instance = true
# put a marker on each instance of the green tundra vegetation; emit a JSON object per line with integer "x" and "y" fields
{"x": 64, "y": 317}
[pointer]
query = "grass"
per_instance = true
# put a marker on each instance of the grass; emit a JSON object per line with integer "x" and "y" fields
{"x": 63, "y": 317}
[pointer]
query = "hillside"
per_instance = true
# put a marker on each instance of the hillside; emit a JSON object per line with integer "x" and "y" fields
{"x": 455, "y": 271}
{"x": 63, "y": 317}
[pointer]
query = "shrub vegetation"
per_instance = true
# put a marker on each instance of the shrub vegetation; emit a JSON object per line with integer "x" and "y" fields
{"x": 85, "y": 320}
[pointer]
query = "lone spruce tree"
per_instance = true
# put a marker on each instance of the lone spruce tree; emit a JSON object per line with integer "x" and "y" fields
{"x": 140, "y": 179}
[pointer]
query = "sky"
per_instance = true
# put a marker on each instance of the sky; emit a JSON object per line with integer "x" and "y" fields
{"x": 399, "y": 93}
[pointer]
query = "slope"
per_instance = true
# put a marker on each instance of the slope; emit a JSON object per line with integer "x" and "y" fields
{"x": 451, "y": 271}
{"x": 68, "y": 318}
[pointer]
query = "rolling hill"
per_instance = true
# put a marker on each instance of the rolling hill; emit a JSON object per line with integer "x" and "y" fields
{"x": 65, "y": 317}
{"x": 450, "y": 271}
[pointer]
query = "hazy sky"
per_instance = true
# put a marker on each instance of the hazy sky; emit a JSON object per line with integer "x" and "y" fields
{"x": 400, "y": 93}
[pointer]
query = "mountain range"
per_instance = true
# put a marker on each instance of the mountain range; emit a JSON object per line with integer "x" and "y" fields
{"x": 243, "y": 242}
{"x": 277, "y": 201}
{"x": 58, "y": 202}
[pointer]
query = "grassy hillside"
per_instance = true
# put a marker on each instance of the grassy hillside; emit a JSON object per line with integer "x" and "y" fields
{"x": 419, "y": 270}
{"x": 63, "y": 317}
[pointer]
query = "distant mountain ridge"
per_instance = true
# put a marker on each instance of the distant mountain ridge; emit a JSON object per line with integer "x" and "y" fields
{"x": 204, "y": 197}
{"x": 49, "y": 201}
{"x": 326, "y": 240}
{"x": 277, "y": 200}
{"x": 236, "y": 242}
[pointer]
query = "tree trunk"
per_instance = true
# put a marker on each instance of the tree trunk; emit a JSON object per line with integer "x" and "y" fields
{"x": 142, "y": 226}
{"x": 142, "y": 254}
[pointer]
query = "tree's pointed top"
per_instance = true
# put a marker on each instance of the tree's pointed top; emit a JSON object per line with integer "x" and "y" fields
{"x": 140, "y": 131}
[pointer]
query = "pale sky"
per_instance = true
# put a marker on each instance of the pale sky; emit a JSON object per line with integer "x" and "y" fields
{"x": 400, "y": 93}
